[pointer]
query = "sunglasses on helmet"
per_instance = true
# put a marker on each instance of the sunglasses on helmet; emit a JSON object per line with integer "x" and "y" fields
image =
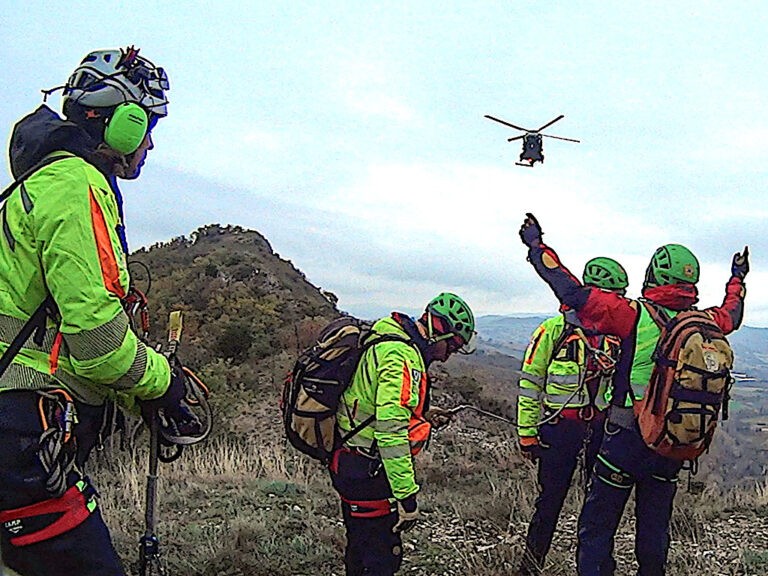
{"x": 152, "y": 80}
{"x": 439, "y": 331}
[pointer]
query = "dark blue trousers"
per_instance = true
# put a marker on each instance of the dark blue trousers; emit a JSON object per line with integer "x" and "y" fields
{"x": 372, "y": 548}
{"x": 561, "y": 443}
{"x": 85, "y": 550}
{"x": 626, "y": 462}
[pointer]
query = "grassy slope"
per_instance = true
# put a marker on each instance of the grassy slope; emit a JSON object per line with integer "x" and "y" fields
{"x": 247, "y": 504}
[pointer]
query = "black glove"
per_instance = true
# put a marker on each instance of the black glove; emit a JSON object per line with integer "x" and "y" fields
{"x": 740, "y": 263}
{"x": 180, "y": 418}
{"x": 530, "y": 231}
{"x": 407, "y": 514}
{"x": 173, "y": 395}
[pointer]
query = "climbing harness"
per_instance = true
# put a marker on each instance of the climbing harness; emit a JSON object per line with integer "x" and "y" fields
{"x": 370, "y": 508}
{"x": 606, "y": 364}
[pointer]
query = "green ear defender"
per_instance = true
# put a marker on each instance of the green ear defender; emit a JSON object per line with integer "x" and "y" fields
{"x": 126, "y": 129}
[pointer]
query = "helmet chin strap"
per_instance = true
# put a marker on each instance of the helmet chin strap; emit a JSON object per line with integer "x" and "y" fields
{"x": 423, "y": 330}
{"x": 123, "y": 164}
{"x": 120, "y": 163}
{"x": 431, "y": 336}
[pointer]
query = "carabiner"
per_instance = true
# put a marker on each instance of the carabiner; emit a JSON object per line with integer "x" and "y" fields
{"x": 583, "y": 410}
{"x": 604, "y": 360}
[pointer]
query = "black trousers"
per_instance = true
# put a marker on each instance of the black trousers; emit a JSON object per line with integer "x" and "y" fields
{"x": 372, "y": 548}
{"x": 626, "y": 463}
{"x": 86, "y": 549}
{"x": 562, "y": 443}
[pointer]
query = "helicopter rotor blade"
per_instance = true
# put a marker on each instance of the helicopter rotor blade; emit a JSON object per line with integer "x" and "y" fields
{"x": 561, "y": 138}
{"x": 516, "y": 138}
{"x": 505, "y": 123}
{"x": 548, "y": 124}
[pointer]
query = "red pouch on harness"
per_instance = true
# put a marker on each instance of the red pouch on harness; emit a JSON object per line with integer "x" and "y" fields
{"x": 50, "y": 518}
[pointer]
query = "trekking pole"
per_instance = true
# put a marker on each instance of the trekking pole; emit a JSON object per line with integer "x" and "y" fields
{"x": 149, "y": 544}
{"x": 461, "y": 407}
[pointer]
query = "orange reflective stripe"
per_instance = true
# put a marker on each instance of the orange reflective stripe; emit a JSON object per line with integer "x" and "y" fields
{"x": 422, "y": 395}
{"x": 53, "y": 357}
{"x": 405, "y": 389}
{"x": 109, "y": 269}
{"x": 419, "y": 432}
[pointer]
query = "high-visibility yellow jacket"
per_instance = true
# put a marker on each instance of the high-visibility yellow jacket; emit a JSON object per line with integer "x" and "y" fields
{"x": 58, "y": 236}
{"x": 557, "y": 366}
{"x": 391, "y": 384}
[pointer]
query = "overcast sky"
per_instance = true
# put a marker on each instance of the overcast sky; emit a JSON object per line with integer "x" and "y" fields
{"x": 351, "y": 134}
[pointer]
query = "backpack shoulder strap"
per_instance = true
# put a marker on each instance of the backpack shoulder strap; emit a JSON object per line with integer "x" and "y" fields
{"x": 568, "y": 330}
{"x": 48, "y": 160}
{"x": 621, "y": 379}
{"x": 657, "y": 313}
{"x": 47, "y": 308}
{"x": 373, "y": 338}
{"x": 35, "y": 325}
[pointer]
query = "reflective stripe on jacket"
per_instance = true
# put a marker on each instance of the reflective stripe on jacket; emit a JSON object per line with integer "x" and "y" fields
{"x": 390, "y": 383}
{"x": 59, "y": 237}
{"x": 553, "y": 377}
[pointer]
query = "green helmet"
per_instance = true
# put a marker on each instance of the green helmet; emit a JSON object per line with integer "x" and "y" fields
{"x": 672, "y": 263}
{"x": 455, "y": 312}
{"x": 605, "y": 273}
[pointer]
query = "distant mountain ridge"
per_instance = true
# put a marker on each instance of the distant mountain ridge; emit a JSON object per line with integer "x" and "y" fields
{"x": 511, "y": 334}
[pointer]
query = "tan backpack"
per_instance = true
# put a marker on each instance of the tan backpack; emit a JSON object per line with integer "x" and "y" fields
{"x": 689, "y": 385}
{"x": 320, "y": 375}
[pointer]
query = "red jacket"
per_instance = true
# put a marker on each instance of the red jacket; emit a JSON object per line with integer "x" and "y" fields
{"x": 609, "y": 313}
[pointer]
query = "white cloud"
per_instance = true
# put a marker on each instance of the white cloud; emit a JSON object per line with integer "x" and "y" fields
{"x": 371, "y": 103}
{"x": 263, "y": 139}
{"x": 372, "y": 87}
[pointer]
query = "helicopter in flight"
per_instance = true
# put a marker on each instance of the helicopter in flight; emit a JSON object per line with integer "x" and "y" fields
{"x": 532, "y": 141}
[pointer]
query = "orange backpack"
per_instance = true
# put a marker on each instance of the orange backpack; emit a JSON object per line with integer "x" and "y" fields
{"x": 689, "y": 385}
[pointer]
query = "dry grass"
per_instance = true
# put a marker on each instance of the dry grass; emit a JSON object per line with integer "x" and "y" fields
{"x": 252, "y": 507}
